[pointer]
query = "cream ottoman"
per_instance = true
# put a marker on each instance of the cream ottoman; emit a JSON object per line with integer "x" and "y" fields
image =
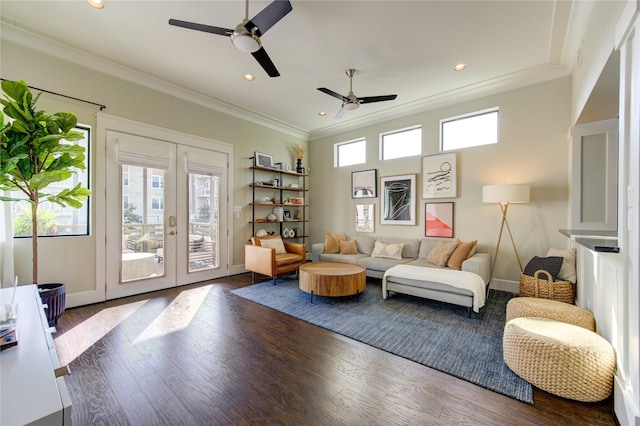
{"x": 560, "y": 358}
{"x": 551, "y": 309}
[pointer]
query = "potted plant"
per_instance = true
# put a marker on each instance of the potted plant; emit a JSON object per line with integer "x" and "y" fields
{"x": 33, "y": 156}
{"x": 299, "y": 151}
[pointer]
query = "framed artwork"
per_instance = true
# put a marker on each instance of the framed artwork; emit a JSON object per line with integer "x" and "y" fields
{"x": 263, "y": 160}
{"x": 438, "y": 220}
{"x": 439, "y": 176}
{"x": 398, "y": 200}
{"x": 364, "y": 184}
{"x": 287, "y": 215}
{"x": 365, "y": 217}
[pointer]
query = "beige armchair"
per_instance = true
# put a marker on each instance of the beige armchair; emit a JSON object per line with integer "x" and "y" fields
{"x": 271, "y": 256}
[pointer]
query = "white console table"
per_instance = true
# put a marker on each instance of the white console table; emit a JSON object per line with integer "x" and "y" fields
{"x": 30, "y": 393}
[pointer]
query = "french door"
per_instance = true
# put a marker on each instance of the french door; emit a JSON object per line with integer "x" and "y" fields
{"x": 166, "y": 214}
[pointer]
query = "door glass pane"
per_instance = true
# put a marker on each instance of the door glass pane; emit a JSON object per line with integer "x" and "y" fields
{"x": 142, "y": 223}
{"x": 203, "y": 222}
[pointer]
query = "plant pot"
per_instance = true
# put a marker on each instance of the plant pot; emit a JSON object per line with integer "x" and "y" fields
{"x": 54, "y": 297}
{"x": 299, "y": 168}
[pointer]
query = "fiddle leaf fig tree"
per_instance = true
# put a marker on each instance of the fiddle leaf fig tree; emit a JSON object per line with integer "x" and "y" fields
{"x": 34, "y": 156}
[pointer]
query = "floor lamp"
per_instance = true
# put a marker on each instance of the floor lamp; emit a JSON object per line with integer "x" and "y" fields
{"x": 504, "y": 195}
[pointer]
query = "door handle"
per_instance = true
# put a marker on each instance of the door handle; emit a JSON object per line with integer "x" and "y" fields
{"x": 172, "y": 233}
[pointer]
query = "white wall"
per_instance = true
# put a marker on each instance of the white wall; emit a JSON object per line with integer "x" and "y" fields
{"x": 72, "y": 260}
{"x": 533, "y": 149}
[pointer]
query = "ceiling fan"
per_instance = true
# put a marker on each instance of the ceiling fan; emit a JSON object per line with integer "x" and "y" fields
{"x": 246, "y": 35}
{"x": 351, "y": 101}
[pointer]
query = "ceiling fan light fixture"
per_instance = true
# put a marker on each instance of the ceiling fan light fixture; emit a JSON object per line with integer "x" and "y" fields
{"x": 98, "y": 4}
{"x": 350, "y": 106}
{"x": 245, "y": 41}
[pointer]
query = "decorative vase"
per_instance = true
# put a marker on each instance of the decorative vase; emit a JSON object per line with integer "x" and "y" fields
{"x": 299, "y": 166}
{"x": 279, "y": 212}
{"x": 54, "y": 297}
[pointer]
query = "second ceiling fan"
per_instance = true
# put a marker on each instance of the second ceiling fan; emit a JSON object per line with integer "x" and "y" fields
{"x": 246, "y": 35}
{"x": 351, "y": 101}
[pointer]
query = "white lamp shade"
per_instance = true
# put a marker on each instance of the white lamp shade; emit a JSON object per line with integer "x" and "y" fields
{"x": 506, "y": 193}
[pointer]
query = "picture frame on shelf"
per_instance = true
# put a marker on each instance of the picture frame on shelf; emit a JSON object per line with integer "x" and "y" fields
{"x": 364, "y": 184}
{"x": 287, "y": 215}
{"x": 439, "y": 176}
{"x": 365, "y": 217}
{"x": 263, "y": 160}
{"x": 398, "y": 200}
{"x": 438, "y": 219}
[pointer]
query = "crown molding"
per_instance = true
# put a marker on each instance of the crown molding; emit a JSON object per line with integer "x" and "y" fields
{"x": 492, "y": 86}
{"x": 11, "y": 32}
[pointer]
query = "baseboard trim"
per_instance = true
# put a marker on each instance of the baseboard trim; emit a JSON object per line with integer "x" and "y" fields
{"x": 237, "y": 269}
{"x": 505, "y": 285}
{"x": 624, "y": 409}
{"x": 85, "y": 298}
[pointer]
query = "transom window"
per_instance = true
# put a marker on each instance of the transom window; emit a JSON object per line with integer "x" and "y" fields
{"x": 401, "y": 143}
{"x": 349, "y": 153}
{"x": 474, "y": 129}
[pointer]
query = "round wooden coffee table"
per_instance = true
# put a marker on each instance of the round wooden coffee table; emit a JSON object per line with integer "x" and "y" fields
{"x": 332, "y": 279}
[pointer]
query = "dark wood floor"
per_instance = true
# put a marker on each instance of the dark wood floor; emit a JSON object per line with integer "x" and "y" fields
{"x": 199, "y": 355}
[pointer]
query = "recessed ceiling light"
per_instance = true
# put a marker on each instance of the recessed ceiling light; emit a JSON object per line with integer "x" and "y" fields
{"x": 249, "y": 77}
{"x": 322, "y": 114}
{"x": 98, "y": 4}
{"x": 460, "y": 67}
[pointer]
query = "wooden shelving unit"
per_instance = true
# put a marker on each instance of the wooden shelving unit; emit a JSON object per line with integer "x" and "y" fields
{"x": 260, "y": 209}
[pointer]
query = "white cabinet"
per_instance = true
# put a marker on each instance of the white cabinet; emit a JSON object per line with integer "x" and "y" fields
{"x": 594, "y": 176}
{"x": 30, "y": 393}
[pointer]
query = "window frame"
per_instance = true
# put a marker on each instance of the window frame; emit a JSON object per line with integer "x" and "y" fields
{"x": 336, "y": 151}
{"x": 395, "y": 132}
{"x": 469, "y": 115}
{"x": 87, "y": 203}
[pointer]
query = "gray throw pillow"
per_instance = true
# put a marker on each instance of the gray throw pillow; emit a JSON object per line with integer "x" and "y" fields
{"x": 551, "y": 264}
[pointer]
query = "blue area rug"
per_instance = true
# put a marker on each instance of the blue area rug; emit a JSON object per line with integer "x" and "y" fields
{"x": 438, "y": 335}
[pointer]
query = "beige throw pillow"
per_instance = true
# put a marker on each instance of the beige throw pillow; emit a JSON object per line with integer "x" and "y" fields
{"x": 461, "y": 253}
{"x": 441, "y": 252}
{"x": 274, "y": 243}
{"x": 348, "y": 247}
{"x": 332, "y": 243}
{"x": 390, "y": 251}
{"x": 568, "y": 268}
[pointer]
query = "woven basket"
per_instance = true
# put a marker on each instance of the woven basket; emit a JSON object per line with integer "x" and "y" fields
{"x": 562, "y": 291}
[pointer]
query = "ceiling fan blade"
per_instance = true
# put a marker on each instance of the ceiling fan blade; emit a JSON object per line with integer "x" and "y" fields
{"x": 334, "y": 94}
{"x": 269, "y": 16}
{"x": 200, "y": 27}
{"x": 265, "y": 62}
{"x": 341, "y": 113}
{"x": 369, "y": 99}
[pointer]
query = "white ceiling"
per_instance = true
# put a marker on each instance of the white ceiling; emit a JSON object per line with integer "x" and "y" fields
{"x": 406, "y": 48}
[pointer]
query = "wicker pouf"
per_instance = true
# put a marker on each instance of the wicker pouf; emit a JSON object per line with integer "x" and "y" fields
{"x": 551, "y": 309}
{"x": 560, "y": 358}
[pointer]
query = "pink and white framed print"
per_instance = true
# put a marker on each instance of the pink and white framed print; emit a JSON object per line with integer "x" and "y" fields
{"x": 438, "y": 220}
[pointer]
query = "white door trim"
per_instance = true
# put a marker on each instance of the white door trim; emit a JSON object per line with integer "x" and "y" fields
{"x": 107, "y": 122}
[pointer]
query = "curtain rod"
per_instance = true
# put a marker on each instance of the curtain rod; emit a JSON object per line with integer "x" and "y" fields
{"x": 64, "y": 96}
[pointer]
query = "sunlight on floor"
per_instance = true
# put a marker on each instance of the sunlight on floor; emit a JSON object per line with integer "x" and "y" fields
{"x": 177, "y": 316}
{"x": 73, "y": 343}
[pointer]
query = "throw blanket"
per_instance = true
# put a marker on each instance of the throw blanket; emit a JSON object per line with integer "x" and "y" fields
{"x": 459, "y": 279}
